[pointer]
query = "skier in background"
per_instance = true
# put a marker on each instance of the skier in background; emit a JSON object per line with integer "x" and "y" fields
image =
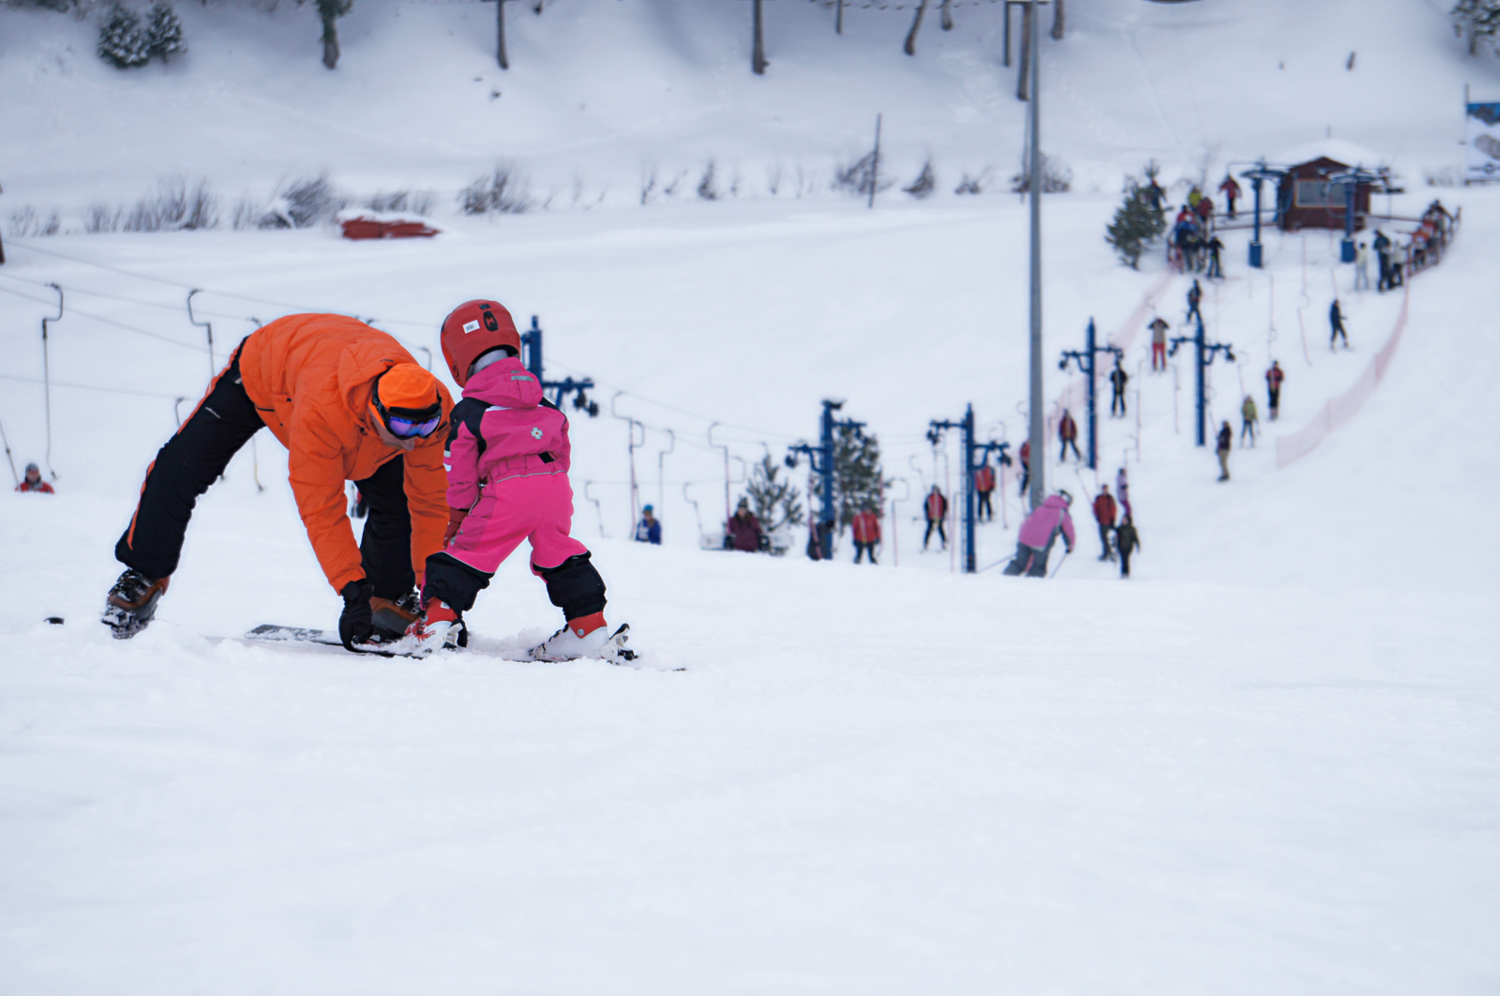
{"x": 1104, "y": 514}
{"x": 1336, "y": 326}
{"x": 508, "y": 456}
{"x": 1117, "y": 380}
{"x": 1038, "y": 533}
{"x": 349, "y": 403}
{"x": 1128, "y": 541}
{"x": 34, "y": 482}
{"x": 866, "y": 526}
{"x": 1194, "y": 296}
{"x": 1383, "y": 252}
{"x": 1067, "y": 434}
{"x": 743, "y": 532}
{"x": 1231, "y": 191}
{"x": 1226, "y": 440}
{"x": 1025, "y": 466}
{"x": 1362, "y": 267}
{"x": 648, "y": 530}
{"x": 1274, "y": 377}
{"x": 936, "y": 510}
{"x": 984, "y": 487}
{"x": 1249, "y": 419}
{"x": 1215, "y": 259}
{"x": 1122, "y": 491}
{"x": 1158, "y": 329}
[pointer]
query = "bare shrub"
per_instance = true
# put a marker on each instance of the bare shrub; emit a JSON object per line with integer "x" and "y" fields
{"x": 773, "y": 179}
{"x": 670, "y": 189}
{"x": 648, "y": 183}
{"x": 247, "y": 213}
{"x": 101, "y": 218}
{"x": 504, "y": 190}
{"x": 25, "y": 222}
{"x": 403, "y": 200}
{"x": 706, "y": 189}
{"x": 1057, "y": 178}
{"x": 302, "y": 203}
{"x": 973, "y": 183}
{"x": 925, "y": 184}
{"x": 807, "y": 181}
{"x": 861, "y": 175}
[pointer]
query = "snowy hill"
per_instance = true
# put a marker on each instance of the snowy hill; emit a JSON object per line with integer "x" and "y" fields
{"x": 1268, "y": 763}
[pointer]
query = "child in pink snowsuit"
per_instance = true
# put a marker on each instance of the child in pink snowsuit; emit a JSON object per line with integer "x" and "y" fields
{"x": 507, "y": 460}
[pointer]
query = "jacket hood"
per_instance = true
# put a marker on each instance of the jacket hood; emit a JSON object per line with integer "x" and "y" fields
{"x": 357, "y": 379}
{"x": 505, "y": 383}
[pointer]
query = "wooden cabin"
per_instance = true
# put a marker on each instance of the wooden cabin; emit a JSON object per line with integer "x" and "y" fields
{"x": 1307, "y": 200}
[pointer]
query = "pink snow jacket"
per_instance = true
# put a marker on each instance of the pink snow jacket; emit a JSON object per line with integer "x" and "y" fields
{"x": 1039, "y": 527}
{"x": 502, "y": 429}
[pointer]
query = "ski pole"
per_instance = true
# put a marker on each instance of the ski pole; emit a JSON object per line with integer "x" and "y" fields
{"x": 8, "y": 458}
{"x": 997, "y": 563}
{"x": 1059, "y": 564}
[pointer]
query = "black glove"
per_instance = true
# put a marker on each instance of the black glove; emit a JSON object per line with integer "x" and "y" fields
{"x": 355, "y": 625}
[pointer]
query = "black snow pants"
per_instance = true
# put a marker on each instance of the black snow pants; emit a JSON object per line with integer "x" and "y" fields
{"x": 942, "y": 534}
{"x": 986, "y": 511}
{"x": 195, "y": 457}
{"x": 573, "y": 586}
{"x": 1029, "y": 561}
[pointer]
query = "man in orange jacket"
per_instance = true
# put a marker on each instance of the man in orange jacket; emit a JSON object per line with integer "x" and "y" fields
{"x": 349, "y": 403}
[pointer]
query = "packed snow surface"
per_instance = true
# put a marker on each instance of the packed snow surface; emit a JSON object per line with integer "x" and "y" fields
{"x": 1270, "y": 762}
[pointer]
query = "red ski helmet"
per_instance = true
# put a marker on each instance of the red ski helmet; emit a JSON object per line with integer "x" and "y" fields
{"x": 473, "y": 328}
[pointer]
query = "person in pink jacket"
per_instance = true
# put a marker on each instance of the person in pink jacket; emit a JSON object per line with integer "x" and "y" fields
{"x": 507, "y": 460}
{"x": 1039, "y": 532}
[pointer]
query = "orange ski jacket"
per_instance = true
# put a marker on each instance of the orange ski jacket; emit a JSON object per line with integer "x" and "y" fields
{"x": 311, "y": 378}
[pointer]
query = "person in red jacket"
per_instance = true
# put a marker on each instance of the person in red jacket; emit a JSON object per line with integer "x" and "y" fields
{"x": 936, "y": 510}
{"x": 866, "y": 527}
{"x": 1274, "y": 377}
{"x": 1067, "y": 435}
{"x": 1231, "y": 191}
{"x": 1104, "y": 514}
{"x": 984, "y": 486}
{"x": 1025, "y": 466}
{"x": 34, "y": 482}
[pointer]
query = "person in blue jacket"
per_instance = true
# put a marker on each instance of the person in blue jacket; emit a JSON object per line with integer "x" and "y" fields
{"x": 648, "y": 530}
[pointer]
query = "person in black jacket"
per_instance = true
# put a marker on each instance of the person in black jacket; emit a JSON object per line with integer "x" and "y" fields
{"x": 1117, "y": 379}
{"x": 1336, "y": 323}
{"x": 1127, "y": 540}
{"x": 1226, "y": 440}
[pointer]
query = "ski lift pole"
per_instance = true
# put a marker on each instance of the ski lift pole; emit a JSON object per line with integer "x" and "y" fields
{"x": 725, "y": 448}
{"x": 213, "y": 367}
{"x": 634, "y": 491}
{"x": 661, "y": 494}
{"x": 8, "y": 458}
{"x": 47, "y": 379}
{"x": 1257, "y": 176}
{"x": 1205, "y": 353}
{"x": 972, "y": 450}
{"x": 1086, "y": 364}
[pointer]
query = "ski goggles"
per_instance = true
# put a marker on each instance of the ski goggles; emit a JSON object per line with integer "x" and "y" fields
{"x": 407, "y": 423}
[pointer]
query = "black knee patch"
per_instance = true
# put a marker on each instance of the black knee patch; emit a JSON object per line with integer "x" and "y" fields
{"x": 574, "y": 586}
{"x": 454, "y": 581}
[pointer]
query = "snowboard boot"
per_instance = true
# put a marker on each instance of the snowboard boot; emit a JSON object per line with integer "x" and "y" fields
{"x": 391, "y": 619}
{"x": 131, "y": 603}
{"x": 587, "y": 636}
{"x": 437, "y": 628}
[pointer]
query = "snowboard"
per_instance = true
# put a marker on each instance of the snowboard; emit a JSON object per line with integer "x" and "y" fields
{"x": 615, "y": 651}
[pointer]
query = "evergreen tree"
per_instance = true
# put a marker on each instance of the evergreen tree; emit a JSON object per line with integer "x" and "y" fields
{"x": 856, "y": 473}
{"x": 122, "y": 43}
{"x": 164, "y": 31}
{"x": 775, "y": 502}
{"x": 1477, "y": 19}
{"x": 1136, "y": 224}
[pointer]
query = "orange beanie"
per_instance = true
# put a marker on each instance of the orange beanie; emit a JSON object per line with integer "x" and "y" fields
{"x": 409, "y": 387}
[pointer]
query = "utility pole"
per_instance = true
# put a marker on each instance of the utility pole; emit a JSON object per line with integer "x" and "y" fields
{"x": 824, "y": 463}
{"x": 1205, "y": 352}
{"x": 974, "y": 455}
{"x": 1087, "y": 365}
{"x": 1038, "y": 462}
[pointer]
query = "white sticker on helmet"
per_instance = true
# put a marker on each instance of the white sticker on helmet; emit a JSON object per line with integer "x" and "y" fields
{"x": 470, "y": 327}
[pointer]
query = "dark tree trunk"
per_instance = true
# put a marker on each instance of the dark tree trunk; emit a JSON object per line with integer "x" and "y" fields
{"x": 1059, "y": 18}
{"x": 500, "y": 35}
{"x": 1023, "y": 83}
{"x": 330, "y": 39}
{"x": 758, "y": 49}
{"x": 947, "y": 15}
{"x": 916, "y": 25}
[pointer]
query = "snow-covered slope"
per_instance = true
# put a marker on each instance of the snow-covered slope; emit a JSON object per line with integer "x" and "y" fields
{"x": 1266, "y": 764}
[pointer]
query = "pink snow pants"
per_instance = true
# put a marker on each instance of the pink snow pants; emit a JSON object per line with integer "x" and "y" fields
{"x": 536, "y": 507}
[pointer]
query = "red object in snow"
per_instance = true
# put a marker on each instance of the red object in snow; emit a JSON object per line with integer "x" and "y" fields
{"x": 374, "y": 228}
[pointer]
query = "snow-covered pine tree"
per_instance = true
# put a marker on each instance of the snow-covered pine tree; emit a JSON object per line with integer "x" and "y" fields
{"x": 857, "y": 481}
{"x": 122, "y": 43}
{"x": 1136, "y": 224}
{"x": 163, "y": 31}
{"x": 775, "y": 502}
{"x": 1477, "y": 19}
